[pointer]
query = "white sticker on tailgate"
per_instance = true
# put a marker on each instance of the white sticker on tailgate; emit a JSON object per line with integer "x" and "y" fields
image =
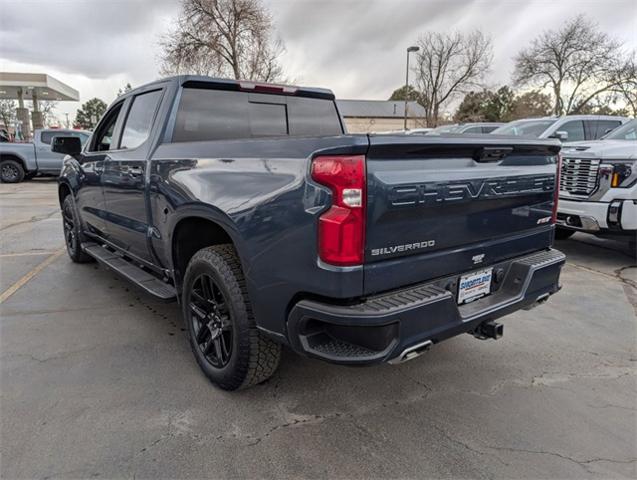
{"x": 474, "y": 285}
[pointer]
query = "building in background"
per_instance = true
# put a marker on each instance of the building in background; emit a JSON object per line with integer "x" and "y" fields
{"x": 35, "y": 87}
{"x": 363, "y": 116}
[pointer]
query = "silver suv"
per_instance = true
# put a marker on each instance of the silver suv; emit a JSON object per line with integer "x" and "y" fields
{"x": 569, "y": 128}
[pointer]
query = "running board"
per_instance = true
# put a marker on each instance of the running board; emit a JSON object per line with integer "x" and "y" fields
{"x": 144, "y": 280}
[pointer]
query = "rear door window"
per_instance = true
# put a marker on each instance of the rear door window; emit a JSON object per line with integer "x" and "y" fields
{"x": 575, "y": 130}
{"x": 47, "y": 137}
{"x": 221, "y": 114}
{"x": 140, "y": 119}
{"x": 599, "y": 128}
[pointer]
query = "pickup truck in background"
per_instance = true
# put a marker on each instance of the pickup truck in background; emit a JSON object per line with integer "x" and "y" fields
{"x": 598, "y": 192}
{"x": 20, "y": 161}
{"x": 569, "y": 128}
{"x": 250, "y": 205}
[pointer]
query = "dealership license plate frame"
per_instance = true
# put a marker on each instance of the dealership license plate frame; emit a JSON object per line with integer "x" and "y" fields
{"x": 479, "y": 290}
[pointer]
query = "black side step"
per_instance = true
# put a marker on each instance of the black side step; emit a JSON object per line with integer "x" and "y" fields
{"x": 132, "y": 272}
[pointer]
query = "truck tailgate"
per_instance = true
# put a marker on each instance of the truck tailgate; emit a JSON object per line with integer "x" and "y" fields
{"x": 443, "y": 205}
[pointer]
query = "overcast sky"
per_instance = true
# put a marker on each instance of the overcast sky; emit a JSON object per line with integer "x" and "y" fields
{"x": 354, "y": 47}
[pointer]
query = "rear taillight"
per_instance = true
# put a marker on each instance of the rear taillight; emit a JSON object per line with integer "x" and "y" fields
{"x": 556, "y": 193}
{"x": 341, "y": 229}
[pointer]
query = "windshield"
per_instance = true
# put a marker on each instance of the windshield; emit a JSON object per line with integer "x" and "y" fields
{"x": 628, "y": 131}
{"x": 524, "y": 128}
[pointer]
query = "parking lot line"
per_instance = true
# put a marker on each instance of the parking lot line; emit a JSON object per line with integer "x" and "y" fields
{"x": 29, "y": 275}
{"x": 27, "y": 254}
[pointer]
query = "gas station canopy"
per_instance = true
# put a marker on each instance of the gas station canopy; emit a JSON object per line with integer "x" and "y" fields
{"x": 14, "y": 85}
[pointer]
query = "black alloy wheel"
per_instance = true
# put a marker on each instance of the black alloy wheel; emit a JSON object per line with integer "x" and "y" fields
{"x": 228, "y": 347}
{"x": 72, "y": 235}
{"x": 211, "y": 321}
{"x": 68, "y": 223}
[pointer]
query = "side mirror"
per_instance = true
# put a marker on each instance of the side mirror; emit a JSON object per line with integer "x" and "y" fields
{"x": 561, "y": 135}
{"x": 66, "y": 145}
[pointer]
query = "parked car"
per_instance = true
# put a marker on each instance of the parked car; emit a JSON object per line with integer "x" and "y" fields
{"x": 568, "y": 128}
{"x": 475, "y": 127}
{"x": 19, "y": 161}
{"x": 413, "y": 131}
{"x": 419, "y": 131}
{"x": 598, "y": 186}
{"x": 249, "y": 204}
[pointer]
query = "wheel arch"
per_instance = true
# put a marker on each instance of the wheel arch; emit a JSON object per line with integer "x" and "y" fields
{"x": 64, "y": 190}
{"x": 190, "y": 234}
{"x": 16, "y": 158}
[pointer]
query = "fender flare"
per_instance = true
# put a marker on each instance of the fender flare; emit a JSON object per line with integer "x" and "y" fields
{"x": 209, "y": 213}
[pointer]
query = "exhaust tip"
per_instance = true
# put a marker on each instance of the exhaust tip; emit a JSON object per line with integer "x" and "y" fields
{"x": 411, "y": 352}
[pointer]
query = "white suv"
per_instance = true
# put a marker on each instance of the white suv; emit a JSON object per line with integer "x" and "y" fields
{"x": 570, "y": 128}
{"x": 598, "y": 185}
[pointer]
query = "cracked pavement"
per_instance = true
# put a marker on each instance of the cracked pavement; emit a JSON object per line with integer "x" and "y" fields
{"x": 97, "y": 380}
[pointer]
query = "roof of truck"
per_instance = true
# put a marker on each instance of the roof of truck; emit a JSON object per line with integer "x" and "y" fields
{"x": 203, "y": 81}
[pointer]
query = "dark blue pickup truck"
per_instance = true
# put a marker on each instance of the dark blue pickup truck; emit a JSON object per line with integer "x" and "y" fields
{"x": 251, "y": 206}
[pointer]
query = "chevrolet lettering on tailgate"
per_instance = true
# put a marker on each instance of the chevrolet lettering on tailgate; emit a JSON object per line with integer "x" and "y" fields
{"x": 433, "y": 193}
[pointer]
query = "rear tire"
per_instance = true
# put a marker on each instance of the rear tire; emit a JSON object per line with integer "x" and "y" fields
{"x": 11, "y": 171}
{"x": 224, "y": 339}
{"x": 72, "y": 234}
{"x": 563, "y": 233}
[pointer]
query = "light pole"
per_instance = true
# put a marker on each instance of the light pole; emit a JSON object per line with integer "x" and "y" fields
{"x": 409, "y": 50}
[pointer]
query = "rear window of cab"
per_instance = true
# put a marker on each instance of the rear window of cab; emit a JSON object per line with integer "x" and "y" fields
{"x": 206, "y": 114}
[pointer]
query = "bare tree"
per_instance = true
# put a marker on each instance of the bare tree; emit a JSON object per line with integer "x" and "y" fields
{"x": 450, "y": 64}
{"x": 626, "y": 89}
{"x": 227, "y": 38}
{"x": 7, "y": 113}
{"x": 578, "y": 62}
{"x": 125, "y": 89}
{"x": 47, "y": 107}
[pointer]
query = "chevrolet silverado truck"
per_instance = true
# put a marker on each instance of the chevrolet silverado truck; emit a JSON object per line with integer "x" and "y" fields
{"x": 250, "y": 205}
{"x": 598, "y": 192}
{"x": 20, "y": 161}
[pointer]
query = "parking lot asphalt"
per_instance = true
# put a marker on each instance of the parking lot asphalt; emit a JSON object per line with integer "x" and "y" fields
{"x": 97, "y": 380}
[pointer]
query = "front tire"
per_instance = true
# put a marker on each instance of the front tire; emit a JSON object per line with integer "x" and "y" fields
{"x": 72, "y": 233}
{"x": 11, "y": 171}
{"x": 227, "y": 345}
{"x": 563, "y": 233}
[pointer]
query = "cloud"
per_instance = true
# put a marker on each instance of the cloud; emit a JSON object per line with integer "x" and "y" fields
{"x": 97, "y": 39}
{"x": 355, "y": 47}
